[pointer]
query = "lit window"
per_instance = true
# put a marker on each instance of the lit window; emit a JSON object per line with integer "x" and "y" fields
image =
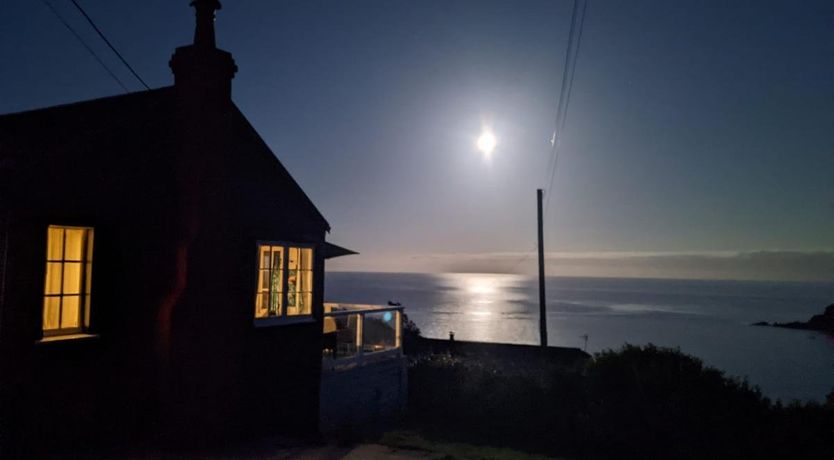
{"x": 69, "y": 264}
{"x": 285, "y": 281}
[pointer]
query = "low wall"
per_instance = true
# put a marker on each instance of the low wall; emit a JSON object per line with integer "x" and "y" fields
{"x": 364, "y": 398}
{"x": 519, "y": 356}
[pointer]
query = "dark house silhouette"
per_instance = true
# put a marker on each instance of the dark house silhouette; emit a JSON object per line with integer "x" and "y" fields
{"x": 161, "y": 273}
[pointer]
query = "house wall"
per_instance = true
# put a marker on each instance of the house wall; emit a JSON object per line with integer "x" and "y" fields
{"x": 260, "y": 380}
{"x": 228, "y": 373}
{"x": 214, "y": 374}
{"x": 70, "y": 393}
{"x": 4, "y": 231}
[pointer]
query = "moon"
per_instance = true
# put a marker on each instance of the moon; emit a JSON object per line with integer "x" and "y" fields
{"x": 486, "y": 141}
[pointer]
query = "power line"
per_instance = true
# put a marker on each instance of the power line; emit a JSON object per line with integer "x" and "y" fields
{"x": 85, "y": 45}
{"x": 565, "y": 90}
{"x": 560, "y": 102}
{"x": 101, "y": 34}
{"x": 571, "y": 56}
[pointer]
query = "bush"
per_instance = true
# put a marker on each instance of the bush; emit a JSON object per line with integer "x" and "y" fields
{"x": 649, "y": 402}
{"x": 470, "y": 400}
{"x": 638, "y": 402}
{"x": 410, "y": 335}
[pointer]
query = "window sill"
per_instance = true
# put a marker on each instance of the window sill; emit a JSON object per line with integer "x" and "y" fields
{"x": 283, "y": 320}
{"x": 67, "y": 338}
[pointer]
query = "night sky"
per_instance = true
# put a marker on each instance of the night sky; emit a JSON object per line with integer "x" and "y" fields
{"x": 699, "y": 140}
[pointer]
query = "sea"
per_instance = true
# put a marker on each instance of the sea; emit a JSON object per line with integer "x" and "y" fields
{"x": 708, "y": 319}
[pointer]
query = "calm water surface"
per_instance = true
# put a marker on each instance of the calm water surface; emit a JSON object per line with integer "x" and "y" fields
{"x": 708, "y": 319}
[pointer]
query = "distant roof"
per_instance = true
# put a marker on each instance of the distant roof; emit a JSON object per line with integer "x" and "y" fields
{"x": 331, "y": 251}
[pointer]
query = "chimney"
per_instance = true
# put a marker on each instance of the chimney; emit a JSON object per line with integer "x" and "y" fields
{"x": 202, "y": 71}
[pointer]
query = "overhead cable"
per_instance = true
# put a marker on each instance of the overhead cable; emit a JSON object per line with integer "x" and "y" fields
{"x": 85, "y": 45}
{"x": 113, "y": 48}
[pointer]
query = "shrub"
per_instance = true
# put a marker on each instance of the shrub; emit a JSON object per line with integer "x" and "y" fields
{"x": 479, "y": 401}
{"x": 637, "y": 402}
{"x": 410, "y": 335}
{"x": 649, "y": 402}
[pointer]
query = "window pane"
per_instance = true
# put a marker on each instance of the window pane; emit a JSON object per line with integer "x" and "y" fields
{"x": 293, "y": 262}
{"x": 306, "y": 259}
{"x": 51, "y": 306}
{"x": 307, "y": 281}
{"x": 87, "y": 311}
{"x": 88, "y": 279}
{"x": 74, "y": 248}
{"x": 379, "y": 331}
{"x": 292, "y": 288}
{"x": 264, "y": 257}
{"x": 299, "y": 303}
{"x": 275, "y": 299}
{"x": 276, "y": 281}
{"x": 69, "y": 311}
{"x": 277, "y": 258}
{"x": 306, "y": 302}
{"x": 90, "y": 233}
{"x": 346, "y": 331}
{"x": 263, "y": 281}
{"x": 54, "y": 243}
{"x": 72, "y": 278}
{"x": 53, "y": 278}
{"x": 260, "y": 305}
{"x": 298, "y": 276}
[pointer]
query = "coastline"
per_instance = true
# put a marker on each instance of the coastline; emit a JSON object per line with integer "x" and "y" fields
{"x": 823, "y": 322}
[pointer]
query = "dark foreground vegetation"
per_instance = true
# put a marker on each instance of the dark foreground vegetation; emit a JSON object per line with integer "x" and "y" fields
{"x": 637, "y": 402}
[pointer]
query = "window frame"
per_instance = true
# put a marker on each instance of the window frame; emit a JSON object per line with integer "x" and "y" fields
{"x": 284, "y": 318}
{"x": 84, "y": 295}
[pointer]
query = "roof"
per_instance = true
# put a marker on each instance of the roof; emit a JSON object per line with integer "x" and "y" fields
{"x": 331, "y": 251}
{"x": 128, "y": 133}
{"x": 128, "y": 102}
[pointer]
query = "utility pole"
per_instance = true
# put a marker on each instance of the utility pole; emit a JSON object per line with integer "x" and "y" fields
{"x": 542, "y": 303}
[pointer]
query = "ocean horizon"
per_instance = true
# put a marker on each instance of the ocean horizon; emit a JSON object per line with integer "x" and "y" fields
{"x": 709, "y": 319}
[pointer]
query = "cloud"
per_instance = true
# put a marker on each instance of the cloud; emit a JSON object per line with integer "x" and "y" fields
{"x": 751, "y": 265}
{"x": 759, "y": 265}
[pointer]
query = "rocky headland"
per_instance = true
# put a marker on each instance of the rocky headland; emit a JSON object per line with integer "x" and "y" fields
{"x": 823, "y": 322}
